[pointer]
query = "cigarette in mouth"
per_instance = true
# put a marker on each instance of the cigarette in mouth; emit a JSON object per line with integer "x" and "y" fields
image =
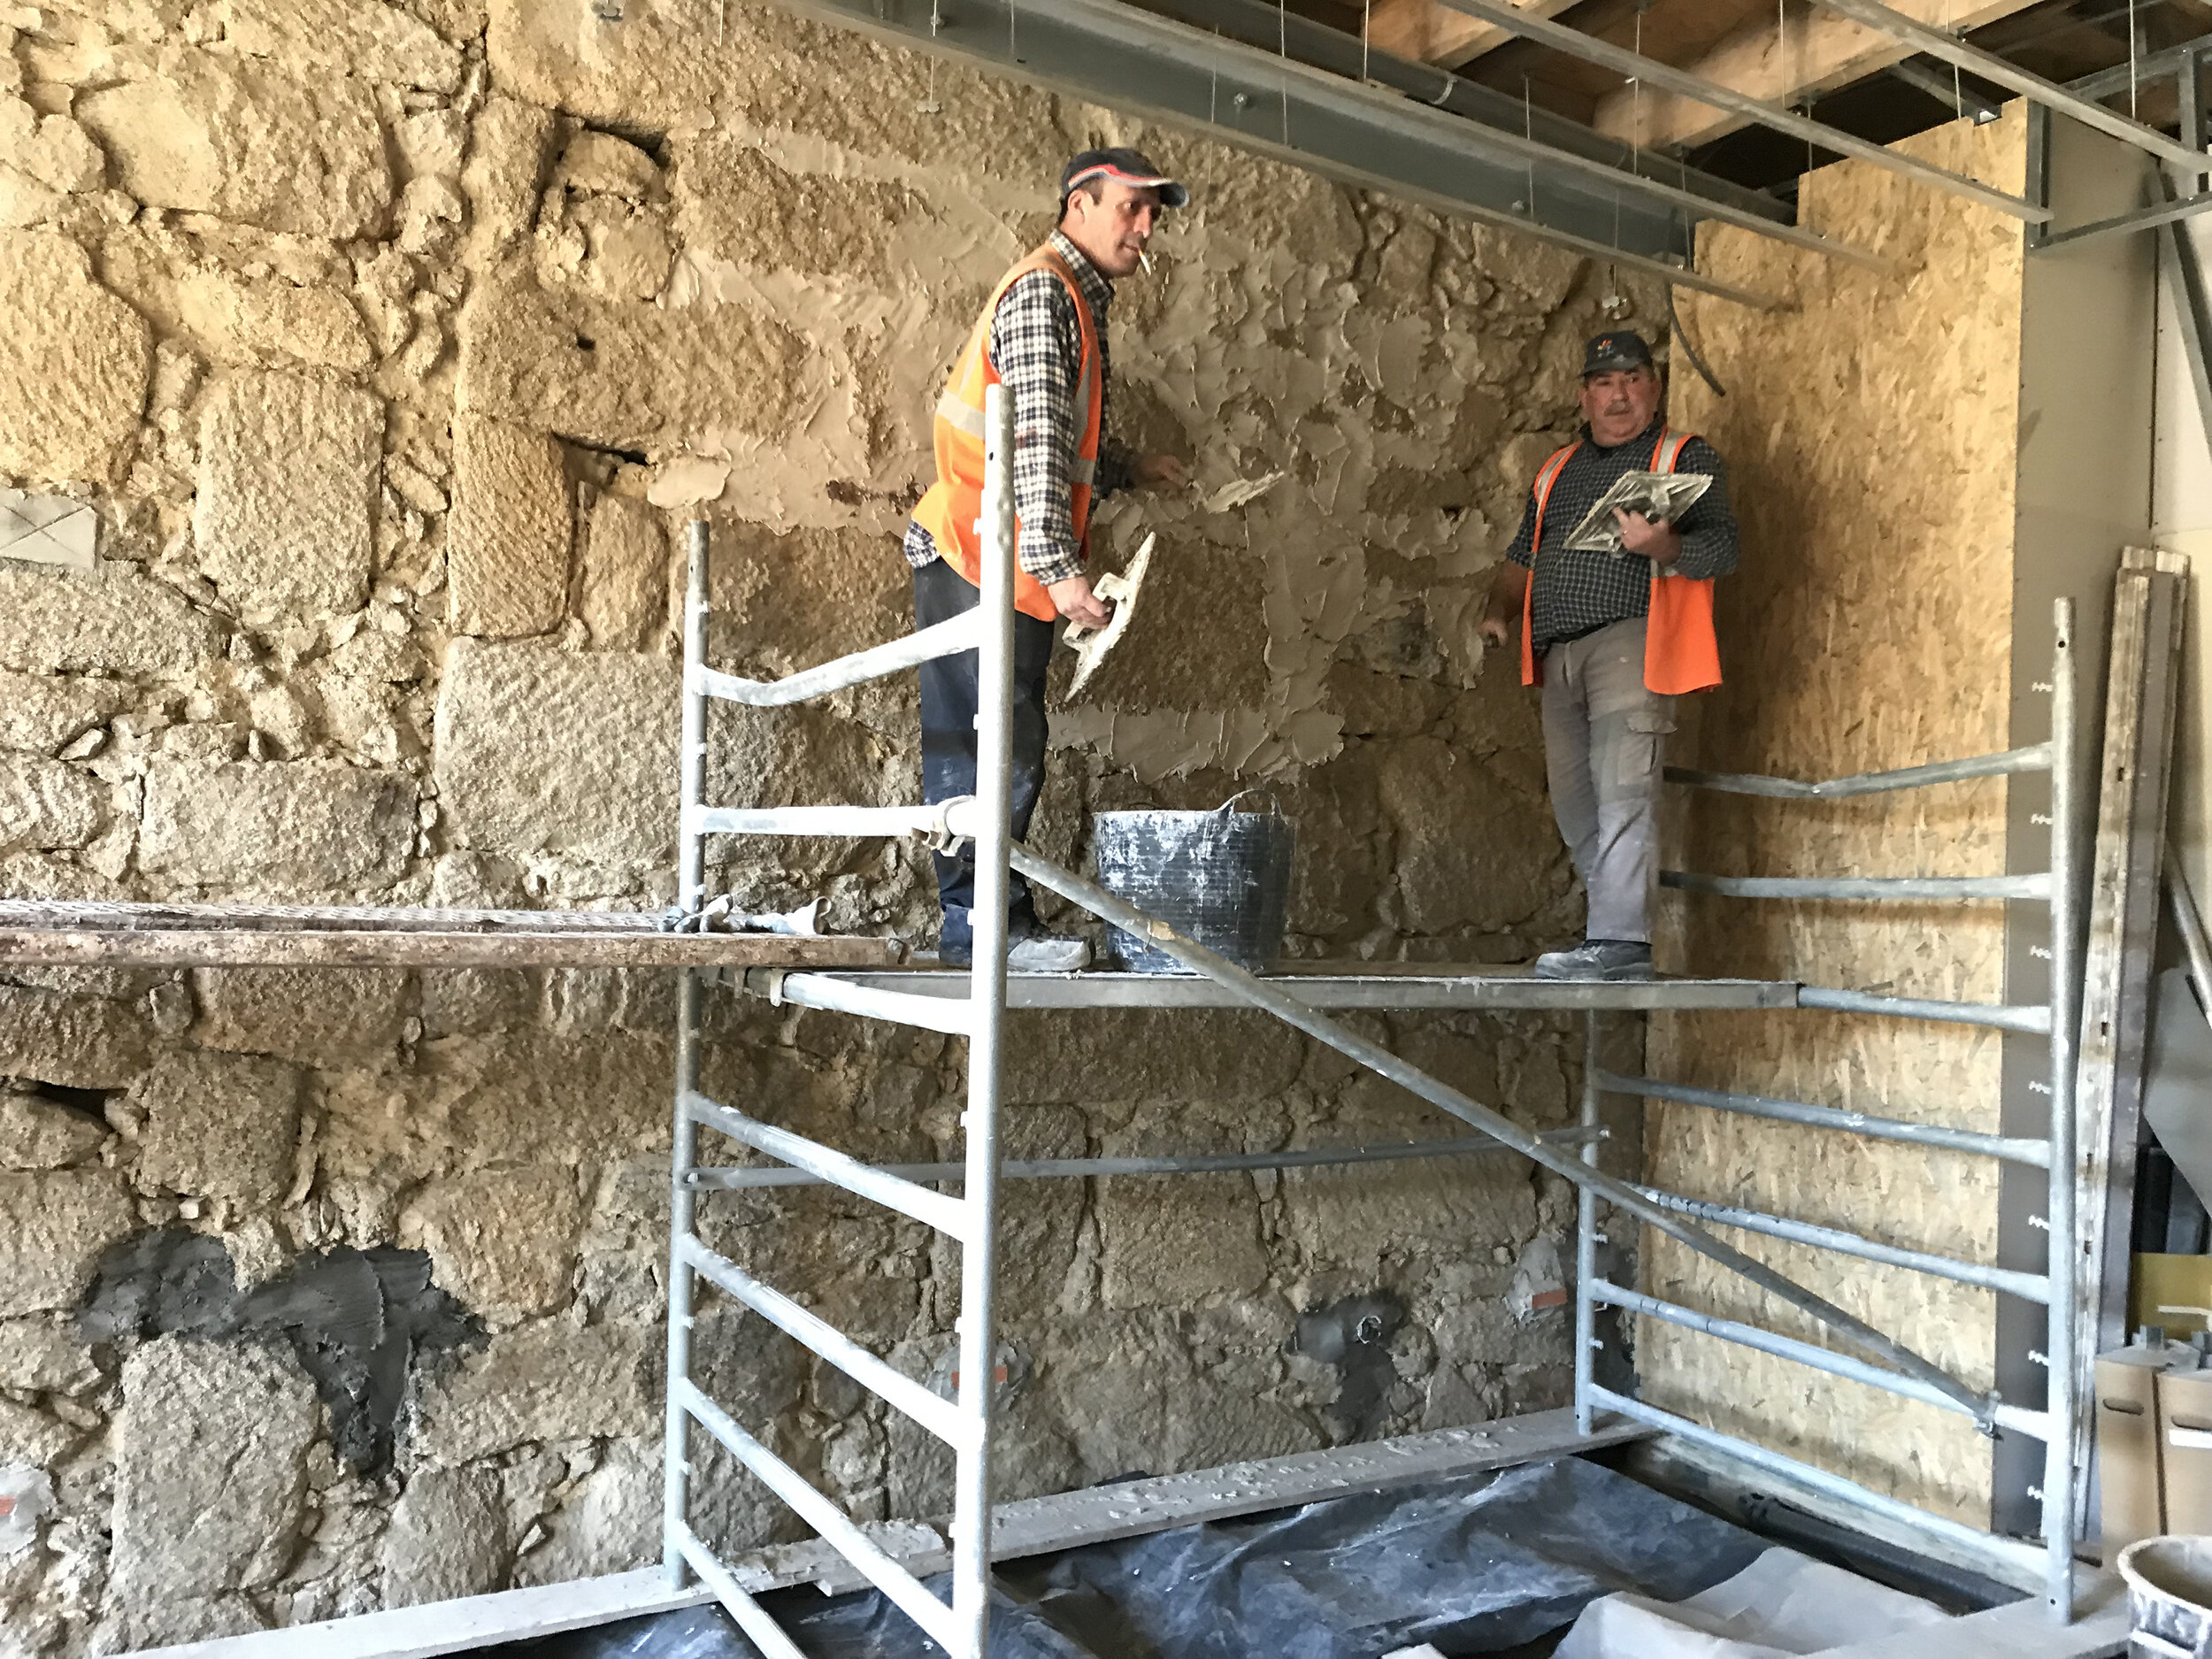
{"x": 1146, "y": 259}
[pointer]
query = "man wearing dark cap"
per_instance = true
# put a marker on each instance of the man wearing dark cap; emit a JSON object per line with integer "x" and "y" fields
{"x": 1043, "y": 336}
{"x": 1613, "y": 638}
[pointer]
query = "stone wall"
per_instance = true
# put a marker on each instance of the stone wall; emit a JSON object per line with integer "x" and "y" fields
{"x": 391, "y": 342}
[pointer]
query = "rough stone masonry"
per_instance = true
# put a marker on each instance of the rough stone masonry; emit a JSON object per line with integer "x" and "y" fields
{"x": 390, "y": 343}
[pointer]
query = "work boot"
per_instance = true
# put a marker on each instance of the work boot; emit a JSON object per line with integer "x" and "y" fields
{"x": 1029, "y": 949}
{"x": 1597, "y": 959}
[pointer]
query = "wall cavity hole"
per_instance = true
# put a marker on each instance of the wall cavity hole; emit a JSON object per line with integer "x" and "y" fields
{"x": 92, "y": 1102}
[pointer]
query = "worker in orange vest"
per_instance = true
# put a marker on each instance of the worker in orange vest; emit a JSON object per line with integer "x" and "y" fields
{"x": 1043, "y": 336}
{"x": 1613, "y": 638}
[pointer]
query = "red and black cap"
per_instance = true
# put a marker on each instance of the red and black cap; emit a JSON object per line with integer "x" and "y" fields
{"x": 1123, "y": 166}
{"x": 1614, "y": 350}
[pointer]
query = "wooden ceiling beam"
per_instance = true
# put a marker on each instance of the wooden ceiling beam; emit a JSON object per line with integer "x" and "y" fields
{"x": 1428, "y": 33}
{"x": 1821, "y": 52}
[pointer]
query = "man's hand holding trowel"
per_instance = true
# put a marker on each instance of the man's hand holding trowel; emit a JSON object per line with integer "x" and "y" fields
{"x": 1073, "y": 596}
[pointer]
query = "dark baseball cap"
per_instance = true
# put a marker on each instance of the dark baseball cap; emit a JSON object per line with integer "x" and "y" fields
{"x": 1125, "y": 166}
{"x": 1614, "y": 350}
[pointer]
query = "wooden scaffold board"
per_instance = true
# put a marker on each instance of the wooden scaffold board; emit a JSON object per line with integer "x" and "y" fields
{"x": 94, "y": 934}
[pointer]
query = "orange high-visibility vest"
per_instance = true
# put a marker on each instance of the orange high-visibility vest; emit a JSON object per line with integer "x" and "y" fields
{"x": 1681, "y": 651}
{"x": 951, "y": 510}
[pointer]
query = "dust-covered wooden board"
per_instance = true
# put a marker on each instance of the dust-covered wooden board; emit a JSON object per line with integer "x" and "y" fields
{"x": 393, "y": 948}
{"x": 2143, "y": 674}
{"x": 110, "y": 933}
{"x": 1131, "y": 1509}
{"x": 459, "y": 1626}
{"x": 1871, "y": 435}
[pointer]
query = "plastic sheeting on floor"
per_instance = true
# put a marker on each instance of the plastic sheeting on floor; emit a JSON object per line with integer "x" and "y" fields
{"x": 1485, "y": 1565}
{"x": 1783, "y": 1604}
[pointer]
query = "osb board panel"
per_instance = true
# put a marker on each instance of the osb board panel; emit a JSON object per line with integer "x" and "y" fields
{"x": 1871, "y": 437}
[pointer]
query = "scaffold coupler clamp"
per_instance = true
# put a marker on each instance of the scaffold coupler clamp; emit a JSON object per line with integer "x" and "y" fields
{"x": 939, "y": 836}
{"x": 676, "y": 919}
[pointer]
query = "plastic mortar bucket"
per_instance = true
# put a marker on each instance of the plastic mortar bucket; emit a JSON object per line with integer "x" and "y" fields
{"x": 1221, "y": 878}
{"x": 2169, "y": 1596}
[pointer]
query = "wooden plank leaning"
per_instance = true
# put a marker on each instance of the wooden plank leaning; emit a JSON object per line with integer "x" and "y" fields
{"x": 2142, "y": 679}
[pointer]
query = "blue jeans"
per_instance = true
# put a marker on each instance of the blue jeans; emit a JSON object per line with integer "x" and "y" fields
{"x": 949, "y": 696}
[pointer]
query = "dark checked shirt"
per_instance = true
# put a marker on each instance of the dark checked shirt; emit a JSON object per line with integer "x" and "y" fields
{"x": 1578, "y": 593}
{"x": 1037, "y": 344}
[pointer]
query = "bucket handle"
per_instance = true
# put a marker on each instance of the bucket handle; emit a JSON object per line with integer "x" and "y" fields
{"x": 1274, "y": 806}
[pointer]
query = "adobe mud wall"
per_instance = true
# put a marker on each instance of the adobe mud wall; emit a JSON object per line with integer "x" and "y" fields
{"x": 389, "y": 343}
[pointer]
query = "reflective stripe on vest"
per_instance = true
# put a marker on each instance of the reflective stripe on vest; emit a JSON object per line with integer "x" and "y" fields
{"x": 952, "y": 506}
{"x": 1681, "y": 650}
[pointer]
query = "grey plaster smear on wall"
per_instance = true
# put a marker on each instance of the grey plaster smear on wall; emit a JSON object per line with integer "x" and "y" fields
{"x": 357, "y": 1320}
{"x": 1481, "y": 1566}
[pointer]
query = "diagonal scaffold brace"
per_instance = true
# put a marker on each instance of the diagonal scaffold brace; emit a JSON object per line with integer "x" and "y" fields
{"x": 1983, "y": 1407}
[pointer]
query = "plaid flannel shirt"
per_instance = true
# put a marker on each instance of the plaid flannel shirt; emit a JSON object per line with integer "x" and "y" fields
{"x": 1578, "y": 593}
{"x": 1037, "y": 344}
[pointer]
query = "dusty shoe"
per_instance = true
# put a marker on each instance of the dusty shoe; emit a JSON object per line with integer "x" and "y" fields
{"x": 1597, "y": 959}
{"x": 1030, "y": 949}
{"x": 1048, "y": 953}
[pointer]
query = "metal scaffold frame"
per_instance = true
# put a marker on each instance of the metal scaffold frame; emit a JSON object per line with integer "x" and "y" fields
{"x": 2058, "y": 887}
{"x": 973, "y": 1006}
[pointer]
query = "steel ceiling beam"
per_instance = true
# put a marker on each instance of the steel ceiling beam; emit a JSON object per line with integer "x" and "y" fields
{"x": 1115, "y": 54}
{"x": 1516, "y": 120}
{"x": 1997, "y": 72}
{"x": 1652, "y": 73}
{"x": 2109, "y": 83}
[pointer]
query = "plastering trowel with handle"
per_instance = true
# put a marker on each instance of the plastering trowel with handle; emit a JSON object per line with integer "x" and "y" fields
{"x": 1119, "y": 589}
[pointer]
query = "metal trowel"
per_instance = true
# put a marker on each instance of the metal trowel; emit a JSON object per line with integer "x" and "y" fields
{"x": 1119, "y": 589}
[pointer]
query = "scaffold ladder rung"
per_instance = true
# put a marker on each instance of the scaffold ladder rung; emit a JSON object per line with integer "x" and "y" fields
{"x": 1807, "y": 1354}
{"x": 751, "y": 1617}
{"x": 948, "y": 638}
{"x": 2012, "y": 1149}
{"x": 838, "y": 1529}
{"x": 949, "y": 1215}
{"x": 955, "y": 1015}
{"x": 938, "y": 1416}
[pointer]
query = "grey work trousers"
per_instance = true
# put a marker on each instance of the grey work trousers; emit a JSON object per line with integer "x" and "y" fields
{"x": 1604, "y": 738}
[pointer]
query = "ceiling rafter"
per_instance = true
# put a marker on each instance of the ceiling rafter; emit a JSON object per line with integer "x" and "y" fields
{"x": 1429, "y": 33}
{"x": 1821, "y": 52}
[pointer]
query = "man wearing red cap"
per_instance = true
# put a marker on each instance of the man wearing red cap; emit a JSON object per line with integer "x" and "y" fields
{"x": 1043, "y": 337}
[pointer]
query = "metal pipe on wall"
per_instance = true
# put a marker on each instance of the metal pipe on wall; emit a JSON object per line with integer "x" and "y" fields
{"x": 2066, "y": 950}
{"x": 1889, "y": 890}
{"x": 2028, "y": 1287}
{"x": 948, "y": 638}
{"x": 746, "y": 1177}
{"x": 690, "y": 894}
{"x": 1806, "y": 1353}
{"x": 2012, "y": 1149}
{"x": 2034, "y": 757}
{"x": 1586, "y": 1232}
{"x": 2032, "y": 1019}
{"x": 986, "y": 1002}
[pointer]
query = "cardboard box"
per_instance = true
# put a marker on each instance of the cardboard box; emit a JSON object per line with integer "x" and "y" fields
{"x": 2170, "y": 1281}
{"x": 2128, "y": 1450}
{"x": 2185, "y": 1416}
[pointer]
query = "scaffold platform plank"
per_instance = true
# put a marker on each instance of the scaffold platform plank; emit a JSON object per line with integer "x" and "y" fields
{"x": 1352, "y": 985}
{"x": 111, "y": 934}
{"x": 1032, "y": 1526}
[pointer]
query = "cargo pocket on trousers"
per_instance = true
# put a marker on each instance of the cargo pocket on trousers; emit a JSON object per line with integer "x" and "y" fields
{"x": 1637, "y": 765}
